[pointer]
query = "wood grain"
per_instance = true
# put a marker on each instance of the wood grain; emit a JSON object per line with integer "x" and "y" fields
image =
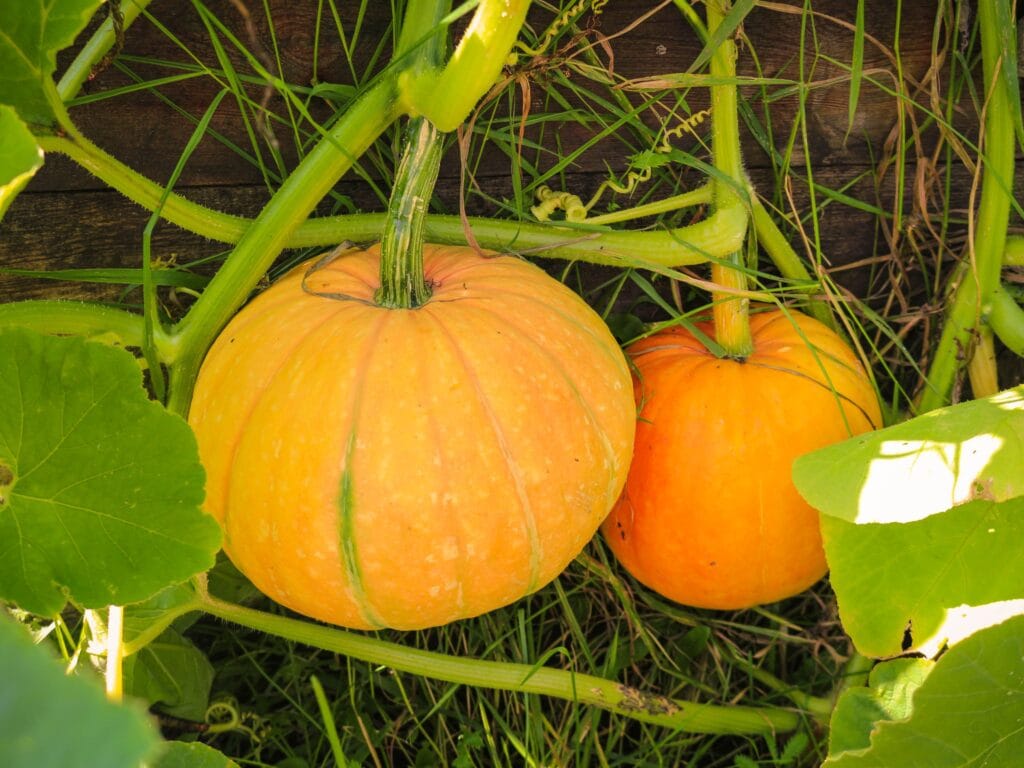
{"x": 66, "y": 218}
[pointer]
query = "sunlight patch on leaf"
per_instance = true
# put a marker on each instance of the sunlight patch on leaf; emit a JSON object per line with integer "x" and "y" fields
{"x": 924, "y": 466}
{"x": 897, "y": 584}
{"x": 912, "y": 479}
{"x": 964, "y": 620}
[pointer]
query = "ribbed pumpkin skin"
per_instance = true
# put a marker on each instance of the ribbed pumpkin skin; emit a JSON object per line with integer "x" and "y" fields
{"x": 405, "y": 468}
{"x": 709, "y": 516}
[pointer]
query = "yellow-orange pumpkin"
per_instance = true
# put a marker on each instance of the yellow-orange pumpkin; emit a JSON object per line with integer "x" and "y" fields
{"x": 405, "y": 468}
{"x": 709, "y": 516}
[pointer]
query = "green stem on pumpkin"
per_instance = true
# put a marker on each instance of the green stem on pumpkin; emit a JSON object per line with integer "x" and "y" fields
{"x": 729, "y": 311}
{"x": 402, "y": 285}
{"x": 973, "y": 296}
{"x": 269, "y": 234}
{"x": 521, "y": 678}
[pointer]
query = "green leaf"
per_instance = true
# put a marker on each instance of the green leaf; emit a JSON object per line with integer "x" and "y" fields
{"x": 922, "y": 523}
{"x": 100, "y": 487}
{"x": 966, "y": 713}
{"x": 31, "y": 34}
{"x": 178, "y": 754}
{"x": 888, "y": 696}
{"x": 142, "y": 617}
{"x": 20, "y": 156}
{"x": 173, "y": 673}
{"x": 51, "y": 720}
{"x": 921, "y": 585}
{"x": 648, "y": 159}
{"x": 922, "y": 467}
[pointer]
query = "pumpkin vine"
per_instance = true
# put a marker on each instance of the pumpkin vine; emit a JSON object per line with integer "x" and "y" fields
{"x": 730, "y": 306}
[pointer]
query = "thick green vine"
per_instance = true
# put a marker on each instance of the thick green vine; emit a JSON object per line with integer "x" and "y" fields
{"x": 978, "y": 281}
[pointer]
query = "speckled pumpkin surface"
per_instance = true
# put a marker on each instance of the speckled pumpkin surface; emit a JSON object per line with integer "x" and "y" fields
{"x": 710, "y": 517}
{"x": 405, "y": 468}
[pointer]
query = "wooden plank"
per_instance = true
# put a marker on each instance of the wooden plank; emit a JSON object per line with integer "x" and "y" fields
{"x": 55, "y": 230}
{"x": 67, "y": 219}
{"x": 642, "y": 44}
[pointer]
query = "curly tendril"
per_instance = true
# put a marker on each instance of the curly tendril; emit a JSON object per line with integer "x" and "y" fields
{"x": 561, "y": 23}
{"x": 550, "y": 201}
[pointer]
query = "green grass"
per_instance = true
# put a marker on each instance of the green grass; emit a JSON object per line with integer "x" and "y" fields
{"x": 560, "y": 108}
{"x": 592, "y": 620}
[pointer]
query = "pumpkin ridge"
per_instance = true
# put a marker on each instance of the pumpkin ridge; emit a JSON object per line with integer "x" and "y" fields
{"x": 336, "y": 268}
{"x": 556, "y": 362}
{"x": 612, "y": 351}
{"x": 345, "y": 502}
{"x": 489, "y": 258}
{"x": 269, "y": 302}
{"x": 454, "y": 523}
{"x": 239, "y": 436}
{"x": 609, "y": 351}
{"x": 510, "y": 463}
{"x": 826, "y": 385}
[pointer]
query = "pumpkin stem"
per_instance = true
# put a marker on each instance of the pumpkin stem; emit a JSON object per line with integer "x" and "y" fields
{"x": 730, "y": 309}
{"x": 402, "y": 285}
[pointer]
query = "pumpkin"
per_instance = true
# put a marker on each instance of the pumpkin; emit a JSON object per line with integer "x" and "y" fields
{"x": 404, "y": 468}
{"x": 709, "y": 516}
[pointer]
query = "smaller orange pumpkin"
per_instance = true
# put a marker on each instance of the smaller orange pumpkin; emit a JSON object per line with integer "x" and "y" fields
{"x": 709, "y": 516}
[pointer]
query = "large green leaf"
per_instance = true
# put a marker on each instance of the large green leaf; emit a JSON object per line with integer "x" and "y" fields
{"x": 922, "y": 523}
{"x": 20, "y": 156}
{"x": 172, "y": 673}
{"x": 919, "y": 585}
{"x": 966, "y": 714}
{"x": 177, "y": 754}
{"x": 100, "y": 487}
{"x": 31, "y": 34}
{"x": 921, "y": 467}
{"x": 51, "y": 720}
{"x": 887, "y": 696}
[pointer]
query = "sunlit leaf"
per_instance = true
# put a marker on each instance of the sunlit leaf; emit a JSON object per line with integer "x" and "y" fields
{"x": 51, "y": 720}
{"x": 921, "y": 467}
{"x": 31, "y": 34}
{"x": 100, "y": 487}
{"x": 908, "y": 587}
{"x": 887, "y": 696}
{"x": 966, "y": 713}
{"x": 922, "y": 523}
{"x": 20, "y": 156}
